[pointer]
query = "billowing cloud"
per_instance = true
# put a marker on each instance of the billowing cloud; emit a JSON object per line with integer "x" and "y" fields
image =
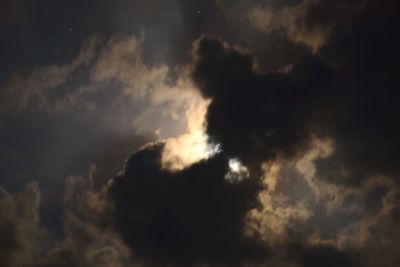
{"x": 309, "y": 22}
{"x": 115, "y": 79}
{"x": 85, "y": 243}
{"x": 25, "y": 242}
{"x": 258, "y": 116}
{"x": 194, "y": 216}
{"x": 293, "y": 164}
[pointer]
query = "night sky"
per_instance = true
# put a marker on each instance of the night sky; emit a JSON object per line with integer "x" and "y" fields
{"x": 189, "y": 133}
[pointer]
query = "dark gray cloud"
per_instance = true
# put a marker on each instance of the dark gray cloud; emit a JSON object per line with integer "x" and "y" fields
{"x": 259, "y": 116}
{"x": 350, "y": 102}
{"x": 194, "y": 216}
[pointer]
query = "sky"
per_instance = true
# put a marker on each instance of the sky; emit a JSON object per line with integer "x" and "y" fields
{"x": 188, "y": 133}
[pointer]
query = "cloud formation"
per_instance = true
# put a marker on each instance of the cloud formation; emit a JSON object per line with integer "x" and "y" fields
{"x": 309, "y": 22}
{"x": 194, "y": 216}
{"x": 289, "y": 166}
{"x": 21, "y": 236}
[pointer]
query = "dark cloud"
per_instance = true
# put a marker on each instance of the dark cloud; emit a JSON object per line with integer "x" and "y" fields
{"x": 190, "y": 217}
{"x": 258, "y": 116}
{"x": 323, "y": 255}
{"x": 367, "y": 140}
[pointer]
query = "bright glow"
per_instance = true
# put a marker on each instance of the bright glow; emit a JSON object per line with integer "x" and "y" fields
{"x": 191, "y": 147}
{"x": 236, "y": 166}
{"x": 237, "y": 171}
{"x": 187, "y": 149}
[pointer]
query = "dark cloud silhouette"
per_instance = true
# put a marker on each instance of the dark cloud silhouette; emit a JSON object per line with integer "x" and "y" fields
{"x": 261, "y": 116}
{"x": 190, "y": 217}
{"x": 258, "y": 116}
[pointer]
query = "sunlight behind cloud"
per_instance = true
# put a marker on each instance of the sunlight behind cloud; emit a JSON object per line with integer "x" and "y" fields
{"x": 193, "y": 146}
{"x": 237, "y": 171}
